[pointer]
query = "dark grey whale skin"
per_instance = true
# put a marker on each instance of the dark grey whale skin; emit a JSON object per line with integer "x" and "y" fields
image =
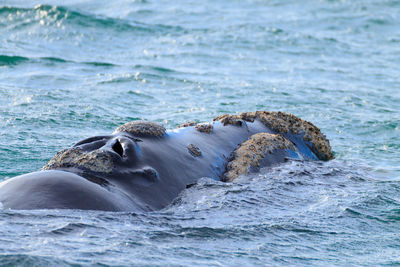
{"x": 57, "y": 190}
{"x": 147, "y": 174}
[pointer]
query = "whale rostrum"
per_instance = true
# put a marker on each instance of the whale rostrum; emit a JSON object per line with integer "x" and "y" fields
{"x": 143, "y": 166}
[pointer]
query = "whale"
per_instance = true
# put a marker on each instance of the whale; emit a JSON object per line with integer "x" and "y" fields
{"x": 141, "y": 166}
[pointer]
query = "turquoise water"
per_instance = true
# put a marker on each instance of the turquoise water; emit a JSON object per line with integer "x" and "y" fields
{"x": 73, "y": 69}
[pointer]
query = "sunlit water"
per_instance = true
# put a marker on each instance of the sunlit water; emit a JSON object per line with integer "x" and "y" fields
{"x": 73, "y": 69}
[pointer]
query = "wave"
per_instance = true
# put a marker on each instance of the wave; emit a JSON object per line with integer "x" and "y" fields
{"x": 6, "y": 60}
{"x": 12, "y": 60}
{"x": 20, "y": 259}
{"x": 58, "y": 15}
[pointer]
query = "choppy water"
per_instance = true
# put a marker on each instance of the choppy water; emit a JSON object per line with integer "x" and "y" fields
{"x": 72, "y": 70}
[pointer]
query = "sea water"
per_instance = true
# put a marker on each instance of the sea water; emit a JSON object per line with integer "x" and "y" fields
{"x": 74, "y": 69}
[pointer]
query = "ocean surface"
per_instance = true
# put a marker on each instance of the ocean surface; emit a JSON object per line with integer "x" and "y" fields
{"x": 74, "y": 69}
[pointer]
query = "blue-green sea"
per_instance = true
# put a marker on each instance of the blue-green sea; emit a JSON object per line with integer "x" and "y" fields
{"x": 73, "y": 69}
